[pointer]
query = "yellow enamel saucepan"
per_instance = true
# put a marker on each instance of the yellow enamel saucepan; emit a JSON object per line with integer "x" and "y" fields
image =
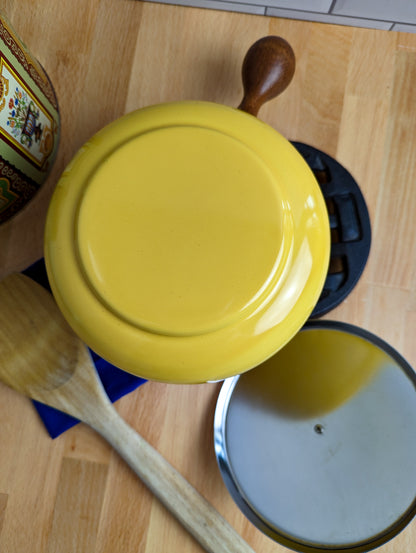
{"x": 189, "y": 241}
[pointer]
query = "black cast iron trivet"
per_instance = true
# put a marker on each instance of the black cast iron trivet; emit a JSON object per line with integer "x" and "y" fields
{"x": 349, "y": 223}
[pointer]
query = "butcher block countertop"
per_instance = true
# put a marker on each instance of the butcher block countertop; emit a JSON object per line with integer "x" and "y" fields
{"x": 353, "y": 96}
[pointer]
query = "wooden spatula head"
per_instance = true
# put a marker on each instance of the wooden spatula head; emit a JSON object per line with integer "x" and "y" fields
{"x": 38, "y": 350}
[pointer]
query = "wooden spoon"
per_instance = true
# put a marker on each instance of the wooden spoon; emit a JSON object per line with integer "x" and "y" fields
{"x": 41, "y": 357}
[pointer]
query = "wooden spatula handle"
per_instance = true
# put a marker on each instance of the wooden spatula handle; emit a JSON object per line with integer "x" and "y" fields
{"x": 268, "y": 68}
{"x": 198, "y": 516}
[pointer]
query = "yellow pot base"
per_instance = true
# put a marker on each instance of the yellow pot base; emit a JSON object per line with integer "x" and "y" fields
{"x": 164, "y": 237}
{"x": 187, "y": 242}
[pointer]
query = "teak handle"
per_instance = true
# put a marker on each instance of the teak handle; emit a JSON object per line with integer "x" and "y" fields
{"x": 268, "y": 68}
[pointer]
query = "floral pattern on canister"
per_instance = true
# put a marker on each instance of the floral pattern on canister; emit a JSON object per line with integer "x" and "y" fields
{"x": 29, "y": 123}
{"x": 24, "y": 121}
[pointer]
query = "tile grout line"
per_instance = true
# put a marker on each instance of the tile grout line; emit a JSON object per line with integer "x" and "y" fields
{"x": 332, "y": 6}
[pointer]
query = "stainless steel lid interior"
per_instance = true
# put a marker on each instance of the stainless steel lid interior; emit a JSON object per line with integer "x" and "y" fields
{"x": 317, "y": 445}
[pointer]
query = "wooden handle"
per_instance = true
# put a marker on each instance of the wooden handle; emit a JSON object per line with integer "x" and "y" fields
{"x": 194, "y": 512}
{"x": 268, "y": 68}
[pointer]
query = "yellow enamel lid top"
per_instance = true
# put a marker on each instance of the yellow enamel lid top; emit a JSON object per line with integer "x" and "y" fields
{"x": 187, "y": 242}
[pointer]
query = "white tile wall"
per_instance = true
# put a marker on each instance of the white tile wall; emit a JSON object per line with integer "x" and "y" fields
{"x": 250, "y": 7}
{"x": 402, "y": 28}
{"x": 329, "y": 18}
{"x": 403, "y": 11}
{"x": 395, "y": 15}
{"x": 306, "y": 5}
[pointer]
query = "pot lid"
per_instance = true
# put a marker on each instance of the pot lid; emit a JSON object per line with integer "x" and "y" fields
{"x": 187, "y": 242}
{"x": 317, "y": 445}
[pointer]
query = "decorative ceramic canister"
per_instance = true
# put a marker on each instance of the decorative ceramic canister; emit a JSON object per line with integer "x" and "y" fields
{"x": 29, "y": 123}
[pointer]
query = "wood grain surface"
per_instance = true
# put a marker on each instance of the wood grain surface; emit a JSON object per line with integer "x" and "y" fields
{"x": 352, "y": 96}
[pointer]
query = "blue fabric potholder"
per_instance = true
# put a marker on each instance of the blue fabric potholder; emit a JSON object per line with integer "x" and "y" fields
{"x": 116, "y": 382}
